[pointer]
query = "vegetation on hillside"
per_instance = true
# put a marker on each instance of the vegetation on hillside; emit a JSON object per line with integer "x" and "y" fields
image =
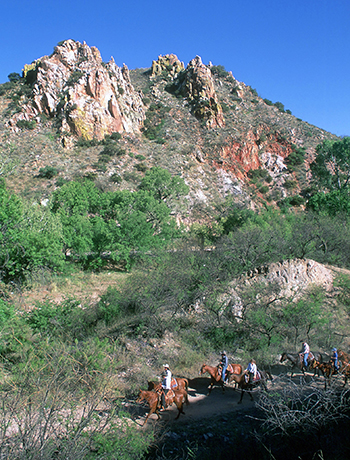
{"x": 66, "y": 368}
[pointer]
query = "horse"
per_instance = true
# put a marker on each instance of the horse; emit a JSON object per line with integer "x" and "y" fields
{"x": 176, "y": 384}
{"x": 327, "y": 370}
{"x": 343, "y": 357}
{"x": 216, "y": 374}
{"x": 179, "y": 397}
{"x": 247, "y": 386}
{"x": 297, "y": 360}
{"x": 171, "y": 396}
{"x": 152, "y": 399}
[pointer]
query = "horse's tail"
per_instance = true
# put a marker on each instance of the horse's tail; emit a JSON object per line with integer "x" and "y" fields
{"x": 186, "y": 384}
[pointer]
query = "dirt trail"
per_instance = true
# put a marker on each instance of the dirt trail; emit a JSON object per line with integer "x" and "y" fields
{"x": 203, "y": 406}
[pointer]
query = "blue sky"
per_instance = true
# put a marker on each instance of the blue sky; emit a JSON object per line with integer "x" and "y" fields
{"x": 295, "y": 52}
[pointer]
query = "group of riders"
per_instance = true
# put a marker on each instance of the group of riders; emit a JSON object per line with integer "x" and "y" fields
{"x": 251, "y": 372}
{"x": 305, "y": 352}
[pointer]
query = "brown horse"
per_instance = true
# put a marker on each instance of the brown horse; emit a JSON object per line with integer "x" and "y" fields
{"x": 179, "y": 397}
{"x": 152, "y": 399}
{"x": 343, "y": 357}
{"x": 247, "y": 386}
{"x": 297, "y": 361}
{"x": 176, "y": 384}
{"x": 327, "y": 370}
{"x": 215, "y": 374}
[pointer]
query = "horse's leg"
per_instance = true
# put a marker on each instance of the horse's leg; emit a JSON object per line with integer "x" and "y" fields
{"x": 151, "y": 411}
{"x": 242, "y": 394}
{"x": 179, "y": 405}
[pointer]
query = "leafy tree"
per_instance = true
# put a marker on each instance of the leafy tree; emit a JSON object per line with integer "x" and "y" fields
{"x": 331, "y": 203}
{"x": 72, "y": 203}
{"x": 306, "y": 315}
{"x": 331, "y": 167}
{"x": 162, "y": 185}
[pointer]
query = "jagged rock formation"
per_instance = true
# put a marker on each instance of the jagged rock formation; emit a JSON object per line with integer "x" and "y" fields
{"x": 88, "y": 97}
{"x": 169, "y": 64}
{"x": 197, "y": 85}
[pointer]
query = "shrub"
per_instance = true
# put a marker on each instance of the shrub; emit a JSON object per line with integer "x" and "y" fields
{"x": 116, "y": 178}
{"x": 26, "y": 124}
{"x": 264, "y": 189}
{"x": 14, "y": 77}
{"x": 280, "y": 106}
{"x": 296, "y": 158}
{"x": 219, "y": 71}
{"x": 48, "y": 172}
{"x": 268, "y": 102}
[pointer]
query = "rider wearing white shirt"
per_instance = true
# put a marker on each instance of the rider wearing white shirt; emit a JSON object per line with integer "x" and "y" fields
{"x": 252, "y": 370}
{"x": 166, "y": 383}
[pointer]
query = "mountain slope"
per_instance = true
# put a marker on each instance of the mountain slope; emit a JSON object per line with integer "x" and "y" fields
{"x": 198, "y": 122}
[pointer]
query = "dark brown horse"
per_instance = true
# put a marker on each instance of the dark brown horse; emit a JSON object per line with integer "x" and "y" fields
{"x": 248, "y": 386}
{"x": 297, "y": 361}
{"x": 216, "y": 374}
{"x": 176, "y": 384}
{"x": 152, "y": 398}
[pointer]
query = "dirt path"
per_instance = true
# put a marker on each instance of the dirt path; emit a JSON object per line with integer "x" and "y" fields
{"x": 203, "y": 406}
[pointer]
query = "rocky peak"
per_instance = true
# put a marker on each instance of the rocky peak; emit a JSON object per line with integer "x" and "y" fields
{"x": 197, "y": 85}
{"x": 169, "y": 64}
{"x": 88, "y": 97}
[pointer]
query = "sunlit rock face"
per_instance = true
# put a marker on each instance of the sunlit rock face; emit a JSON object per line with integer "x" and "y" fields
{"x": 88, "y": 98}
{"x": 197, "y": 85}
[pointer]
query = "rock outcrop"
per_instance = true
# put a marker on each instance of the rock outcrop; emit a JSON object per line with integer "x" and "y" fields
{"x": 88, "y": 97}
{"x": 197, "y": 85}
{"x": 293, "y": 278}
{"x": 169, "y": 64}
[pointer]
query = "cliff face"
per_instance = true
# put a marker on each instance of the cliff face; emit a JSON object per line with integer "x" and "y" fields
{"x": 87, "y": 97}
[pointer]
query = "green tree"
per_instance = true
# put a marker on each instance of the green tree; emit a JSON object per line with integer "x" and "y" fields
{"x": 73, "y": 203}
{"x": 162, "y": 185}
{"x": 30, "y": 237}
{"x": 331, "y": 167}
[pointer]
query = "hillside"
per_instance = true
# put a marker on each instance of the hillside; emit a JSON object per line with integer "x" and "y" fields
{"x": 198, "y": 122}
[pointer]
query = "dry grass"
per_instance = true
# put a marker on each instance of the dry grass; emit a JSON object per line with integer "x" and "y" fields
{"x": 86, "y": 287}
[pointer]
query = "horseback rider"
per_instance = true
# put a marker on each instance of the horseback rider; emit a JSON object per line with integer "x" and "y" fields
{"x": 166, "y": 385}
{"x": 224, "y": 364}
{"x": 304, "y": 353}
{"x": 334, "y": 359}
{"x": 251, "y": 370}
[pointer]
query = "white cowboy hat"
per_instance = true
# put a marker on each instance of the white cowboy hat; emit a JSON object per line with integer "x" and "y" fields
{"x": 166, "y": 365}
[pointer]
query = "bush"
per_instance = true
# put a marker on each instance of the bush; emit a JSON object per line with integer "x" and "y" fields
{"x": 26, "y": 124}
{"x": 67, "y": 320}
{"x": 280, "y": 106}
{"x": 48, "y": 172}
{"x": 268, "y": 102}
{"x": 14, "y": 77}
